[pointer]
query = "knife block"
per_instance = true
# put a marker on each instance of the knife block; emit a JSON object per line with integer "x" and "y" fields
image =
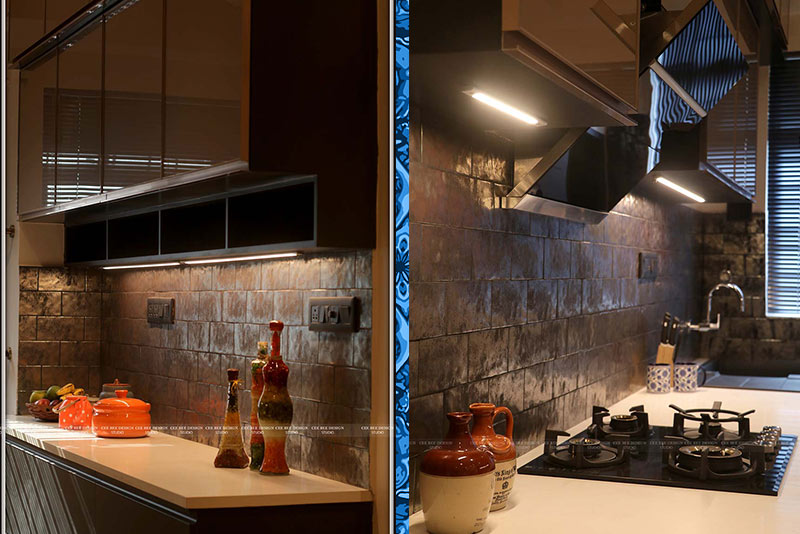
{"x": 666, "y": 354}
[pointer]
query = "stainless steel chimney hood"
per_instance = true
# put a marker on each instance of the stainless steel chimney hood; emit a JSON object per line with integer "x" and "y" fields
{"x": 689, "y": 60}
{"x": 684, "y": 162}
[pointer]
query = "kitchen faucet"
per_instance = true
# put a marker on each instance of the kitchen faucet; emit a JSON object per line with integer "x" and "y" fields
{"x": 725, "y": 283}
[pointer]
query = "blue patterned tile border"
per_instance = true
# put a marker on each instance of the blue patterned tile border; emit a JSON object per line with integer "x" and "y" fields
{"x": 401, "y": 266}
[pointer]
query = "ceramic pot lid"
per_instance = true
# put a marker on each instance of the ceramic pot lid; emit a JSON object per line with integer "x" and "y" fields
{"x": 116, "y": 384}
{"x": 121, "y": 403}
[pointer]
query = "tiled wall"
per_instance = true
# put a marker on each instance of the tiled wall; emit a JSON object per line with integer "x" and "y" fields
{"x": 747, "y": 343}
{"x": 59, "y": 329}
{"x": 221, "y": 314}
{"x": 542, "y": 315}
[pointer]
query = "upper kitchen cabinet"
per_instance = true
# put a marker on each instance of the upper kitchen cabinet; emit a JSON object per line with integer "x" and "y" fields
{"x": 530, "y": 55}
{"x": 25, "y": 24}
{"x": 37, "y": 140}
{"x": 786, "y": 15}
{"x": 78, "y": 114}
{"x": 204, "y": 53}
{"x": 58, "y": 11}
{"x": 132, "y": 104}
{"x": 130, "y": 99}
{"x": 564, "y": 28}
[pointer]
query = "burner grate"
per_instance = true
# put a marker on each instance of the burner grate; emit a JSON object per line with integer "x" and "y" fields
{"x": 645, "y": 466}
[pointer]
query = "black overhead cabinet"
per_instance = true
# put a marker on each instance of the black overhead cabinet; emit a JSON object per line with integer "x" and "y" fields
{"x": 143, "y": 107}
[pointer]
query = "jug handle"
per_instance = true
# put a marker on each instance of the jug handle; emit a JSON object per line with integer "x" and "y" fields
{"x": 509, "y": 419}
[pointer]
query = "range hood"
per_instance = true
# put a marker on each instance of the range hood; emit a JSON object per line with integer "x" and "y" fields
{"x": 690, "y": 60}
{"x": 685, "y": 163}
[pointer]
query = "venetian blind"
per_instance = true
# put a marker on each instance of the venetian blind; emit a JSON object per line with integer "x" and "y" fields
{"x": 783, "y": 192}
{"x": 732, "y": 131}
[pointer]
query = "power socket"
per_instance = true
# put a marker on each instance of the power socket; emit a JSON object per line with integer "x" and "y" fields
{"x": 333, "y": 314}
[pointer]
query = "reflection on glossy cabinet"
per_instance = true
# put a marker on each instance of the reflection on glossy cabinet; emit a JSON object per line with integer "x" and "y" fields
{"x": 37, "y": 134}
{"x": 132, "y": 112}
{"x": 78, "y": 147}
{"x": 25, "y": 25}
{"x": 204, "y": 56}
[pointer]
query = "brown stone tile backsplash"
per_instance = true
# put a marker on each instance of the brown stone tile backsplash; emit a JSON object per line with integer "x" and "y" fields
{"x": 59, "y": 329}
{"x": 89, "y": 327}
{"x": 747, "y": 343}
{"x": 545, "y": 316}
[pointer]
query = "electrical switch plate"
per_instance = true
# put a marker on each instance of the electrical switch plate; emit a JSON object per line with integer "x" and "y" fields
{"x": 160, "y": 311}
{"x": 648, "y": 265}
{"x": 333, "y": 314}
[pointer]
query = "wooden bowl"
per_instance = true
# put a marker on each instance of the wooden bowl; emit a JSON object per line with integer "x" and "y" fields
{"x": 43, "y": 413}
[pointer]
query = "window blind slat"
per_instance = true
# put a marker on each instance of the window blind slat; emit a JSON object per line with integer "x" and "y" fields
{"x": 783, "y": 192}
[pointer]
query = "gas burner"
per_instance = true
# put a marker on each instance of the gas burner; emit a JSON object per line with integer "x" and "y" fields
{"x": 634, "y": 424}
{"x": 710, "y": 428}
{"x": 713, "y": 462}
{"x": 583, "y": 452}
{"x": 720, "y": 460}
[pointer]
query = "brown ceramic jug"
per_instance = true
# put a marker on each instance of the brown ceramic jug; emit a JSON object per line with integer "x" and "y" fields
{"x": 505, "y": 453}
{"x": 456, "y": 481}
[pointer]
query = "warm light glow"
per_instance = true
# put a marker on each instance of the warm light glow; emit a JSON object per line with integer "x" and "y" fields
{"x": 243, "y": 258}
{"x": 142, "y": 266}
{"x": 505, "y": 108}
{"x": 679, "y": 189}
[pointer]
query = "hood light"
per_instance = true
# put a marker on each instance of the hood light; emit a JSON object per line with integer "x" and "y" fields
{"x": 243, "y": 258}
{"x": 505, "y": 108}
{"x": 142, "y": 266}
{"x": 679, "y": 189}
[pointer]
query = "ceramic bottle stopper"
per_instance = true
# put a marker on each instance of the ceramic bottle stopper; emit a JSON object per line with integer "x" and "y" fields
{"x": 502, "y": 447}
{"x": 231, "y": 446}
{"x": 275, "y": 408}
{"x": 256, "y": 388}
{"x": 456, "y": 481}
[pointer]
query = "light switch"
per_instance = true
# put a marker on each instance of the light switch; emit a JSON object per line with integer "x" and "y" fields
{"x": 648, "y": 265}
{"x": 160, "y": 311}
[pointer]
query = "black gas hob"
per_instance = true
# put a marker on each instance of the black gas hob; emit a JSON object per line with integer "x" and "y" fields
{"x": 712, "y": 449}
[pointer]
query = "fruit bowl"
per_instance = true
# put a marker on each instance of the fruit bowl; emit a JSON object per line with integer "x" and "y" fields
{"x": 44, "y": 413}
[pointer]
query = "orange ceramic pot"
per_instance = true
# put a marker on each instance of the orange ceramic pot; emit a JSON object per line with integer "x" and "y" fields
{"x": 121, "y": 417}
{"x": 502, "y": 447}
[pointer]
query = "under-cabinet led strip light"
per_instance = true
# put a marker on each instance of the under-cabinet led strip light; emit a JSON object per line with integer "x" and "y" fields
{"x": 242, "y": 258}
{"x": 508, "y": 109}
{"x": 142, "y": 266}
{"x": 679, "y": 189}
{"x": 205, "y": 261}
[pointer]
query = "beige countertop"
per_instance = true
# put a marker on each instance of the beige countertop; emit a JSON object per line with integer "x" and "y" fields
{"x": 180, "y": 471}
{"x": 550, "y": 504}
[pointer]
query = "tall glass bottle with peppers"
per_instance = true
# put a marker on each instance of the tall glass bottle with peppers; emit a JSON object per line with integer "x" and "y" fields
{"x": 257, "y": 387}
{"x": 275, "y": 408}
{"x": 231, "y": 446}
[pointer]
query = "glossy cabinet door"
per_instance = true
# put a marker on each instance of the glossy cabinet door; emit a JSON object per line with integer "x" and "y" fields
{"x": 598, "y": 37}
{"x": 132, "y": 112}
{"x": 25, "y": 25}
{"x": 59, "y": 11}
{"x": 204, "y": 56}
{"x": 78, "y": 146}
{"x": 37, "y": 134}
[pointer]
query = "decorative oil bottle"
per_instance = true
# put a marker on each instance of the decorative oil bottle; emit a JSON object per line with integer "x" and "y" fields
{"x": 257, "y": 387}
{"x": 231, "y": 447}
{"x": 275, "y": 408}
